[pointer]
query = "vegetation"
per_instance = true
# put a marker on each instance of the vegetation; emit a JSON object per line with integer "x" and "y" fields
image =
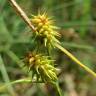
{"x": 33, "y": 56}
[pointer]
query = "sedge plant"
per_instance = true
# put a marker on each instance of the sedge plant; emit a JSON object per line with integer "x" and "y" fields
{"x": 44, "y": 33}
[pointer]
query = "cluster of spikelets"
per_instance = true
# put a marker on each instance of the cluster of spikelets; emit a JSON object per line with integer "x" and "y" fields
{"x": 41, "y": 66}
{"x": 45, "y": 30}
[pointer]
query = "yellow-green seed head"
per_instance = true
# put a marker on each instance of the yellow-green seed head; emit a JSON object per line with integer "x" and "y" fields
{"x": 41, "y": 67}
{"x": 45, "y": 30}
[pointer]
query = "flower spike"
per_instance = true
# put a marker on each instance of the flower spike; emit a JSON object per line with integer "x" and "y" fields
{"x": 45, "y": 30}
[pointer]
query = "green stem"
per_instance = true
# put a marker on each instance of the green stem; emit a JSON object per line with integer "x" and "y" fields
{"x": 71, "y": 56}
{"x": 3, "y": 87}
{"x": 58, "y": 89}
{"x": 56, "y": 85}
{"x": 25, "y": 80}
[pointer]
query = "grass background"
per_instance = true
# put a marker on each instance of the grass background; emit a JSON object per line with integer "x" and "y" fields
{"x": 76, "y": 19}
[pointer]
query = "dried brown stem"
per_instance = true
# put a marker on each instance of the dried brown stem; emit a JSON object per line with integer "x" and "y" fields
{"x": 22, "y": 14}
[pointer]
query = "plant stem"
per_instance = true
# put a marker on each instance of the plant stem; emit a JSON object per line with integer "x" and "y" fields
{"x": 58, "y": 89}
{"x": 22, "y": 14}
{"x": 76, "y": 60}
{"x": 56, "y": 85}
{"x": 25, "y": 80}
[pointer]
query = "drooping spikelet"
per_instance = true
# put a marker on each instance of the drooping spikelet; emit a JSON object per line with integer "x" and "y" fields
{"x": 41, "y": 66}
{"x": 45, "y": 30}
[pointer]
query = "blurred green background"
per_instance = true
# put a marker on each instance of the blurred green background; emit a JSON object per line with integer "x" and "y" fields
{"x": 77, "y": 22}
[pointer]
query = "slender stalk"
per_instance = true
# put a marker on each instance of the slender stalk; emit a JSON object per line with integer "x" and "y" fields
{"x": 76, "y": 60}
{"x": 25, "y": 80}
{"x": 56, "y": 85}
{"x": 58, "y": 89}
{"x": 22, "y": 14}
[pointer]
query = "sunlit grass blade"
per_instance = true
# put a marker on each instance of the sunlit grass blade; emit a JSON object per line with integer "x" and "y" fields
{"x": 86, "y": 16}
{"x": 78, "y": 46}
{"x": 6, "y": 78}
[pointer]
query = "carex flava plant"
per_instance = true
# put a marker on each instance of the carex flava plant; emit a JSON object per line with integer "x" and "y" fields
{"x": 44, "y": 33}
{"x": 41, "y": 65}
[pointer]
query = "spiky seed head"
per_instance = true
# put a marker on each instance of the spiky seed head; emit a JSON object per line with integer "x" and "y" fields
{"x": 45, "y": 30}
{"x": 41, "y": 67}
